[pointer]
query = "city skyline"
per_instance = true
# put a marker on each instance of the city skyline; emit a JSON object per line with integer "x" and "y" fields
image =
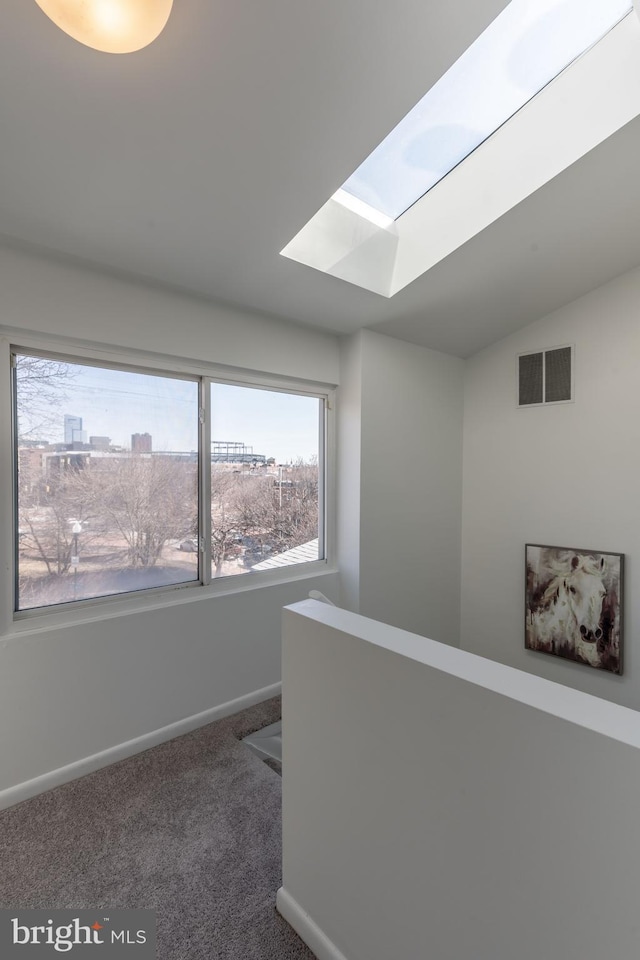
{"x": 119, "y": 404}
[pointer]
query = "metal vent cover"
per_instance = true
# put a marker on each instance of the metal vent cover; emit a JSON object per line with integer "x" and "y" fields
{"x": 530, "y": 379}
{"x": 545, "y": 376}
{"x": 557, "y": 375}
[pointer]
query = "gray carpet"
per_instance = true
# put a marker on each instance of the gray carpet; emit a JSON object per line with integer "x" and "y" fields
{"x": 191, "y": 828}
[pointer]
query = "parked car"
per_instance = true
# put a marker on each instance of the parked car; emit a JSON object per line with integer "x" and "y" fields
{"x": 190, "y": 545}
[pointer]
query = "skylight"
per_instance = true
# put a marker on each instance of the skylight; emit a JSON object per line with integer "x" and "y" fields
{"x": 527, "y": 45}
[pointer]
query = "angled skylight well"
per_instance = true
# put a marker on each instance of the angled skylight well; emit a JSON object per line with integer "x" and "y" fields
{"x": 529, "y": 44}
{"x": 386, "y": 225}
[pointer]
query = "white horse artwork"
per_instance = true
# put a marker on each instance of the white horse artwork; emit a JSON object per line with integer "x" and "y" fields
{"x": 573, "y": 607}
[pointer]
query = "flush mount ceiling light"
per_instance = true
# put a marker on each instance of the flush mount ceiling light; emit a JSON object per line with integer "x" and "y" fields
{"x": 113, "y": 26}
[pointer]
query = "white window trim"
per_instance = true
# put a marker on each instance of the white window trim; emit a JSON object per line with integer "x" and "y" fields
{"x": 14, "y": 622}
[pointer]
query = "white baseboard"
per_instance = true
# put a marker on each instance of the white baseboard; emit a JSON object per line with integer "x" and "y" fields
{"x": 72, "y": 771}
{"x": 306, "y": 928}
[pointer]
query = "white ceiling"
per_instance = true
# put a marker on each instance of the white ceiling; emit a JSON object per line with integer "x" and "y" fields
{"x": 194, "y": 162}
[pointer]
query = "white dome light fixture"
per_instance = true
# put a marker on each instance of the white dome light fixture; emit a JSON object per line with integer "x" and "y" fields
{"x": 113, "y": 26}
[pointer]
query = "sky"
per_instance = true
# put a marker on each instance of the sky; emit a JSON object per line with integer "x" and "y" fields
{"x": 278, "y": 425}
{"x": 117, "y": 403}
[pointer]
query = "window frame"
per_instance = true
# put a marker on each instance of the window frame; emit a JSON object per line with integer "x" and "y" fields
{"x": 204, "y": 373}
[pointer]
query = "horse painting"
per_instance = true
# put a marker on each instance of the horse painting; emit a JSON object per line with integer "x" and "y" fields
{"x": 573, "y": 605}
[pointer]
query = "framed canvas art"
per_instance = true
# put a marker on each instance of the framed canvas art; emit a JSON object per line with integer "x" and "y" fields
{"x": 573, "y": 605}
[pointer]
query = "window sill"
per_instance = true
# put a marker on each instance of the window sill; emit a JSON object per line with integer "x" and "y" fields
{"x": 105, "y": 608}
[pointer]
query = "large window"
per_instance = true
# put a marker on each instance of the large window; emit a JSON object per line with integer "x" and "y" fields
{"x": 264, "y": 490}
{"x": 129, "y": 480}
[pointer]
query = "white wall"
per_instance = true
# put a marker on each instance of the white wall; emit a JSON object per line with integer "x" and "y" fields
{"x": 411, "y": 490}
{"x": 348, "y": 453}
{"x": 565, "y": 475}
{"x": 119, "y": 672}
{"x": 54, "y": 296}
{"x": 438, "y": 805}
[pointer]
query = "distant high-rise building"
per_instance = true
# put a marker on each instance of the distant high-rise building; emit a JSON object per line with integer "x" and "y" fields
{"x": 141, "y": 443}
{"x": 100, "y": 443}
{"x": 71, "y": 424}
{"x": 73, "y": 432}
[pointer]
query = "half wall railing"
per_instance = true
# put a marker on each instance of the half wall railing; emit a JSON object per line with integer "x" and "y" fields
{"x": 440, "y": 806}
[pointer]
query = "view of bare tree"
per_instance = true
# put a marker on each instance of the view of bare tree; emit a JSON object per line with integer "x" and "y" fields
{"x": 147, "y": 501}
{"x": 42, "y": 385}
{"x": 47, "y": 512}
{"x": 270, "y": 513}
{"x": 132, "y": 509}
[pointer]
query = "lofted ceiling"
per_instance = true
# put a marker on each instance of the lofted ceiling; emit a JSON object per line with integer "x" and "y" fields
{"x": 194, "y": 161}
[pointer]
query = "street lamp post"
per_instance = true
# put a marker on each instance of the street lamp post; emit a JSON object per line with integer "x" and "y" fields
{"x": 76, "y": 529}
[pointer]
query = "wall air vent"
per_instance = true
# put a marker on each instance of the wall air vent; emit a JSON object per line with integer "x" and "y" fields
{"x": 545, "y": 377}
